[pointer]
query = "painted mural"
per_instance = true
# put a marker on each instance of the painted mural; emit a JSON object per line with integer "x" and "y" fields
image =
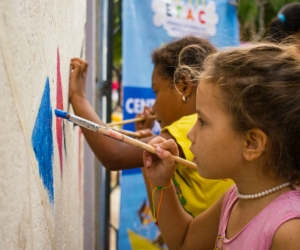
{"x": 41, "y": 156}
{"x": 42, "y": 141}
{"x": 59, "y": 105}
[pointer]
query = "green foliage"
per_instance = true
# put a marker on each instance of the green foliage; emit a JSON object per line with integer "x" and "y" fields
{"x": 117, "y": 39}
{"x": 277, "y": 4}
{"x": 256, "y": 15}
{"x": 247, "y": 11}
{"x": 117, "y": 53}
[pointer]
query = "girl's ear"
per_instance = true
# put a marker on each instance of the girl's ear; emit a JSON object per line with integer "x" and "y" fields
{"x": 188, "y": 89}
{"x": 184, "y": 88}
{"x": 255, "y": 144}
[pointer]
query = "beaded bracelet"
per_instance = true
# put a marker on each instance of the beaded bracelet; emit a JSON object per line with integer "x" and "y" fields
{"x": 161, "y": 188}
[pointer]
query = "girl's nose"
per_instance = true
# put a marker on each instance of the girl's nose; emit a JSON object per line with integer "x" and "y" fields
{"x": 190, "y": 134}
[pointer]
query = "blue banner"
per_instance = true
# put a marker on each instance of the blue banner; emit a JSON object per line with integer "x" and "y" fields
{"x": 148, "y": 24}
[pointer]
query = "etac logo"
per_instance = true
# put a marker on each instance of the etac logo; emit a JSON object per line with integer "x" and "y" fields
{"x": 179, "y": 18}
{"x": 136, "y": 105}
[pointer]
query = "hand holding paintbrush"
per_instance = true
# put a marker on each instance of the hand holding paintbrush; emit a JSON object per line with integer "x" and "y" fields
{"x": 143, "y": 124}
{"x": 115, "y": 135}
{"x": 142, "y": 121}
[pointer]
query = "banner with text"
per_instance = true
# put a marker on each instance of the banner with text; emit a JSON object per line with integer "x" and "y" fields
{"x": 149, "y": 24}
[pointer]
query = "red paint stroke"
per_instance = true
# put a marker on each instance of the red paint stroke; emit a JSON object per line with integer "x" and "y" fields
{"x": 59, "y": 105}
{"x": 79, "y": 167}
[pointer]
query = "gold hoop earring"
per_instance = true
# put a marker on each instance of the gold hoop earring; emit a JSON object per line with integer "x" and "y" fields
{"x": 185, "y": 99}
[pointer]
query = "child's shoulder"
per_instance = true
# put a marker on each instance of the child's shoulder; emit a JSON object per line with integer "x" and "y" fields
{"x": 284, "y": 208}
{"x": 292, "y": 199}
{"x": 287, "y": 235}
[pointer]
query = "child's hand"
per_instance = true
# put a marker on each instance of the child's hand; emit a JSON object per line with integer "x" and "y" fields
{"x": 148, "y": 122}
{"x": 160, "y": 168}
{"x": 77, "y": 79}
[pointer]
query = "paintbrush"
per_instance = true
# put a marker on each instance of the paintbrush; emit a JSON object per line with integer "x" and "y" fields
{"x": 127, "y": 132}
{"x": 116, "y": 135}
{"x": 138, "y": 119}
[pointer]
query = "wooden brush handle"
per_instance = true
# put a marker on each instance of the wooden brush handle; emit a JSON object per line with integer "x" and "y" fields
{"x": 121, "y": 137}
{"x": 127, "y": 132}
{"x": 138, "y": 119}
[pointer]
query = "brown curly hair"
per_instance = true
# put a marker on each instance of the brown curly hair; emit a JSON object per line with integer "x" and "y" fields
{"x": 167, "y": 56}
{"x": 260, "y": 86}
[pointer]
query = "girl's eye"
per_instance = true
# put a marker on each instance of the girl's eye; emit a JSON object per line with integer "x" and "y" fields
{"x": 202, "y": 123}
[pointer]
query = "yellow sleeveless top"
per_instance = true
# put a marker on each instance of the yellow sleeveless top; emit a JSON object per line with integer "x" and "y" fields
{"x": 195, "y": 193}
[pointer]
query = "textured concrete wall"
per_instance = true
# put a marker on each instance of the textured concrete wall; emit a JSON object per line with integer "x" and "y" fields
{"x": 41, "y": 157}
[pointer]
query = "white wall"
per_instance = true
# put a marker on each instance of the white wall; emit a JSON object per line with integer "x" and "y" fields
{"x": 41, "y": 157}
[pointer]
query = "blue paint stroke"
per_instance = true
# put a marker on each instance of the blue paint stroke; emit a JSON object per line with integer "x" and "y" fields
{"x": 61, "y": 113}
{"x": 42, "y": 141}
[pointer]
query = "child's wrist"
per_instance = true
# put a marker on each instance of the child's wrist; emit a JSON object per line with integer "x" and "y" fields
{"x": 161, "y": 185}
{"x": 161, "y": 189}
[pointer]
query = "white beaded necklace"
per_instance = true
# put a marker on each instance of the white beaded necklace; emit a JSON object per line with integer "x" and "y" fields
{"x": 264, "y": 193}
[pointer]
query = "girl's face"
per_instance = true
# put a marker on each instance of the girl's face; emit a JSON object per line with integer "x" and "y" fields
{"x": 216, "y": 145}
{"x": 168, "y": 103}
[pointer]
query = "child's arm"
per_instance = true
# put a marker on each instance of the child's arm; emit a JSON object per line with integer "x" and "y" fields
{"x": 113, "y": 154}
{"x": 179, "y": 229}
{"x": 287, "y": 236}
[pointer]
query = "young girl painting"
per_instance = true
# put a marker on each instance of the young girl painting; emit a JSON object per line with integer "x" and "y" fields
{"x": 175, "y": 110}
{"x": 248, "y": 130}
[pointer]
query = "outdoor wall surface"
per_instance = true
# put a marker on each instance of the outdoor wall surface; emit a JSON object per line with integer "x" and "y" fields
{"x": 41, "y": 156}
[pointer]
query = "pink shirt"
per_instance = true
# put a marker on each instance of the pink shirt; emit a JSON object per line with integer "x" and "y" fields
{"x": 258, "y": 233}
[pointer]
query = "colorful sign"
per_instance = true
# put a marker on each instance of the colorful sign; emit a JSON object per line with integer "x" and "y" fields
{"x": 149, "y": 24}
